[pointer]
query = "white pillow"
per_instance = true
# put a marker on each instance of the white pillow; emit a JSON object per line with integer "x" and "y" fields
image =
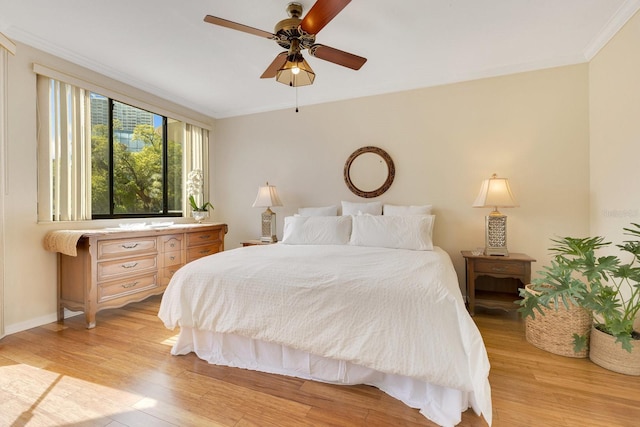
{"x": 316, "y": 230}
{"x": 406, "y": 210}
{"x": 322, "y": 211}
{"x": 352, "y": 208}
{"x": 395, "y": 232}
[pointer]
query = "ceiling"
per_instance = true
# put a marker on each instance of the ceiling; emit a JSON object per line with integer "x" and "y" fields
{"x": 165, "y": 47}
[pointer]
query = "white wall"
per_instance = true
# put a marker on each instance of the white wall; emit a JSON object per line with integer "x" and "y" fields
{"x": 530, "y": 127}
{"x": 615, "y": 134}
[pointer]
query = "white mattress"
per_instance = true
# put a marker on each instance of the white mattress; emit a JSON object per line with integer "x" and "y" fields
{"x": 387, "y": 317}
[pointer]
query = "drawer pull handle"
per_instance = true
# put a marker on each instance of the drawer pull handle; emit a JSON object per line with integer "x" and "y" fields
{"x": 205, "y": 251}
{"x": 173, "y": 245}
{"x": 129, "y": 285}
{"x": 204, "y": 236}
{"x": 129, "y": 265}
{"x": 172, "y": 258}
{"x": 129, "y": 245}
{"x": 498, "y": 269}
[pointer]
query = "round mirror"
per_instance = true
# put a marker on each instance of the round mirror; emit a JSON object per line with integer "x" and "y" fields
{"x": 369, "y": 172}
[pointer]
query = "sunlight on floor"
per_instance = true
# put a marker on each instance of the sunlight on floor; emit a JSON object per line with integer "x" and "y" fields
{"x": 34, "y": 396}
{"x": 170, "y": 341}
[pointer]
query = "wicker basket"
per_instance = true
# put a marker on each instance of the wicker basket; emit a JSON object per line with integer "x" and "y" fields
{"x": 609, "y": 354}
{"x": 554, "y": 331}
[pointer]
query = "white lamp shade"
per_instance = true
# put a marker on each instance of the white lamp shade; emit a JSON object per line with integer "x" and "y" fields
{"x": 267, "y": 197}
{"x": 495, "y": 193}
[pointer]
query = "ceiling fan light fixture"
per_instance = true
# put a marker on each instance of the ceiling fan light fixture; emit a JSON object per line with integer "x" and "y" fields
{"x": 296, "y": 72}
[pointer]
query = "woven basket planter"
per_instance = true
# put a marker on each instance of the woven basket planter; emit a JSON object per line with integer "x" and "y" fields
{"x": 554, "y": 331}
{"x": 609, "y": 354}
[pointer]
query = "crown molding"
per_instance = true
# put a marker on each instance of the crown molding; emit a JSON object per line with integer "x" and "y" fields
{"x": 6, "y": 43}
{"x": 617, "y": 21}
{"x": 53, "y": 49}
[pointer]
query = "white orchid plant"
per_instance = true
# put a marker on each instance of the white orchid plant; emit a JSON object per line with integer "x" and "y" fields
{"x": 195, "y": 181}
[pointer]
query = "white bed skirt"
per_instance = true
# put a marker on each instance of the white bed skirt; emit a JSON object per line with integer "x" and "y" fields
{"x": 441, "y": 405}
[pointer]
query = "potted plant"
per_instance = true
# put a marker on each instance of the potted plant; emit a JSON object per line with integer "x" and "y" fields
{"x": 607, "y": 286}
{"x": 563, "y": 324}
{"x": 199, "y": 211}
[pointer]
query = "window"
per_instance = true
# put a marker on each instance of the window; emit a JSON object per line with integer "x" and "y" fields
{"x": 136, "y": 161}
{"x": 103, "y": 158}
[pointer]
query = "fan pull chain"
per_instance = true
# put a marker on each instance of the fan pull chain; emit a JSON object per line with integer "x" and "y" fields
{"x": 296, "y": 99}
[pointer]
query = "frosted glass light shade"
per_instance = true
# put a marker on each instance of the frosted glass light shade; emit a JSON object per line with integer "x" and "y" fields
{"x": 296, "y": 72}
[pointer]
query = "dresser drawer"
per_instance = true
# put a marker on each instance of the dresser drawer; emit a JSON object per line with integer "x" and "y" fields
{"x": 116, "y": 289}
{"x": 200, "y": 251}
{"x": 167, "y": 273}
{"x": 202, "y": 238}
{"x": 171, "y": 243}
{"x": 499, "y": 267}
{"x": 125, "y": 247}
{"x": 128, "y": 266}
{"x": 170, "y": 259}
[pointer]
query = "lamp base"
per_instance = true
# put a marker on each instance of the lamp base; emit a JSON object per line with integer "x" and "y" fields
{"x": 496, "y": 251}
{"x": 268, "y": 226}
{"x": 496, "y": 235}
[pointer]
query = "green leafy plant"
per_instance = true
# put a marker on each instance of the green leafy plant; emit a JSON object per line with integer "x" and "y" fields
{"x": 195, "y": 207}
{"x": 605, "y": 285}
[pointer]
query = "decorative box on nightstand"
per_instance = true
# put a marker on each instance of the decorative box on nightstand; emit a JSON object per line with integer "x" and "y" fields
{"x": 493, "y": 281}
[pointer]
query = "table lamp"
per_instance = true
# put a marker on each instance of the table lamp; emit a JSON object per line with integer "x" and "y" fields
{"x": 266, "y": 198}
{"x": 495, "y": 193}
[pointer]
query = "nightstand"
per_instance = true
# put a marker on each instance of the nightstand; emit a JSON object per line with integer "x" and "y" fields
{"x": 255, "y": 243}
{"x": 493, "y": 281}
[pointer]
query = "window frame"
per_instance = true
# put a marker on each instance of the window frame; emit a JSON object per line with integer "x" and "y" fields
{"x": 165, "y": 170}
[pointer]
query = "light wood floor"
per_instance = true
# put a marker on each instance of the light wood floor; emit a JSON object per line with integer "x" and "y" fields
{"x": 121, "y": 374}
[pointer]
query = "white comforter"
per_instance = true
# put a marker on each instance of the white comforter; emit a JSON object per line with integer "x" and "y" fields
{"x": 396, "y": 311}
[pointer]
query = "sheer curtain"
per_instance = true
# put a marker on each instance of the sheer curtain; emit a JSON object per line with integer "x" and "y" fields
{"x": 64, "y": 163}
{"x": 196, "y": 150}
{"x": 6, "y": 47}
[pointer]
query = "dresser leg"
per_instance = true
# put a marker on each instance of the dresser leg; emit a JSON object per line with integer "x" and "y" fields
{"x": 90, "y": 319}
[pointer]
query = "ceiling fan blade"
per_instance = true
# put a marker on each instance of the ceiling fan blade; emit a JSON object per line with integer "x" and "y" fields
{"x": 337, "y": 56}
{"x": 321, "y": 13}
{"x": 235, "y": 26}
{"x": 277, "y": 63}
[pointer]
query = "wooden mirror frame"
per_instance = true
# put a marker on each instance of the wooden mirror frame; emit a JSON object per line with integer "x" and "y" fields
{"x": 387, "y": 183}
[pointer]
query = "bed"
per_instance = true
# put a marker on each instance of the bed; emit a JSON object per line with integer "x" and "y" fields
{"x": 371, "y": 301}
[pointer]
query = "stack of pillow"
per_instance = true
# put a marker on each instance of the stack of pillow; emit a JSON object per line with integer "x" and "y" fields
{"x": 362, "y": 224}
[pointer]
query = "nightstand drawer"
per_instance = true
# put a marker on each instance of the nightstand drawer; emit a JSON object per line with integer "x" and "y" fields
{"x": 499, "y": 267}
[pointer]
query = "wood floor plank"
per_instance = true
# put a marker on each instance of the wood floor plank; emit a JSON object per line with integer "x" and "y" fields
{"x": 121, "y": 374}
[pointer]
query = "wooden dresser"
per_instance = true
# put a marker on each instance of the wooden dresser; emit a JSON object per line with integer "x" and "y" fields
{"x": 116, "y": 268}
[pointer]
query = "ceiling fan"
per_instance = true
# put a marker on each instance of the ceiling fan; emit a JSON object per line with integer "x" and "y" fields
{"x": 295, "y": 34}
